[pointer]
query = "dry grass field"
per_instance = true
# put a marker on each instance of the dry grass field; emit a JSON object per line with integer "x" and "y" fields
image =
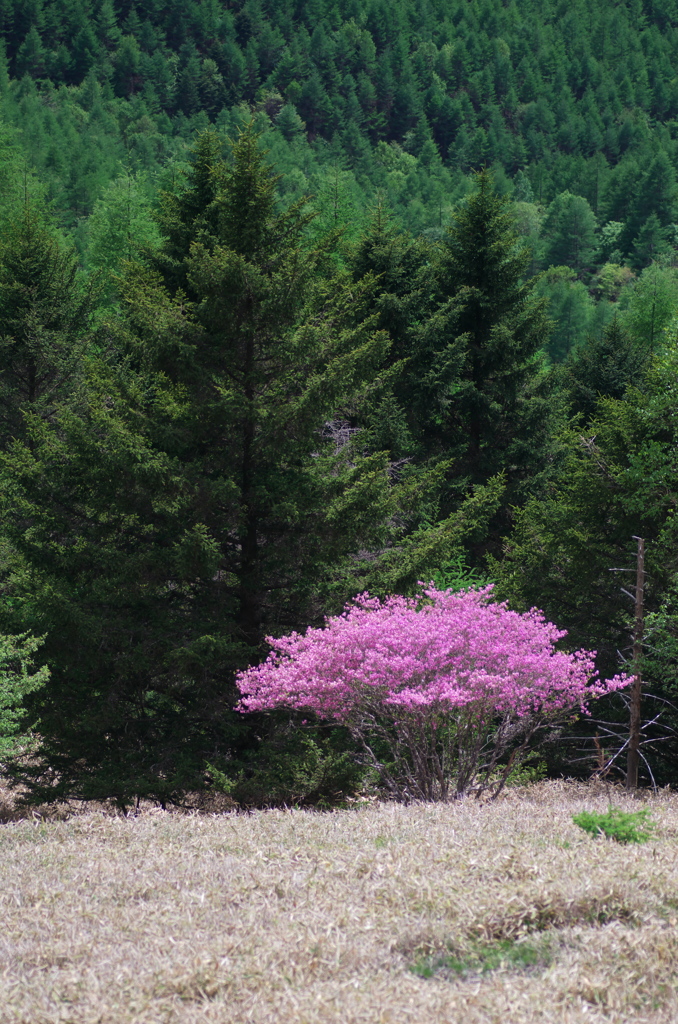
{"x": 294, "y": 917}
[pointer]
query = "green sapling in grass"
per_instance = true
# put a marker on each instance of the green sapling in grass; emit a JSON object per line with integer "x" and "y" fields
{"x": 622, "y": 826}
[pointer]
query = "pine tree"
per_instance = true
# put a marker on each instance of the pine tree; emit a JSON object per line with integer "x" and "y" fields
{"x": 198, "y": 494}
{"x": 187, "y": 95}
{"x": 19, "y": 185}
{"x": 570, "y": 230}
{"x": 31, "y": 57}
{"x": 468, "y": 394}
{"x": 651, "y": 243}
{"x": 120, "y": 225}
{"x": 127, "y": 60}
{"x": 652, "y": 306}
{"x": 289, "y": 123}
{"x": 570, "y": 307}
{"x": 603, "y": 367}
{"x": 44, "y": 323}
{"x": 495, "y": 415}
{"x": 652, "y": 210}
{"x": 402, "y": 302}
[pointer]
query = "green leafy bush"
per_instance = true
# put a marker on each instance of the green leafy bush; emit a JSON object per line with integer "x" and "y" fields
{"x": 309, "y": 767}
{"x": 622, "y": 826}
{"x": 527, "y": 774}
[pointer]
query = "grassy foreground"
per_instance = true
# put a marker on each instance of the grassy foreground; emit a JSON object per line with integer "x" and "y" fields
{"x": 503, "y": 912}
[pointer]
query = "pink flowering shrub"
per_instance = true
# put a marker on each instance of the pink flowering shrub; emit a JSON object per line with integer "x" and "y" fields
{"x": 443, "y": 690}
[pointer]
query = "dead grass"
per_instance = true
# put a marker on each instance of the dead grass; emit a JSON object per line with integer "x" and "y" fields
{"x": 303, "y": 918}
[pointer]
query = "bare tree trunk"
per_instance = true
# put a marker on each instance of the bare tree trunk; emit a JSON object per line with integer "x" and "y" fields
{"x": 637, "y": 688}
{"x": 249, "y": 615}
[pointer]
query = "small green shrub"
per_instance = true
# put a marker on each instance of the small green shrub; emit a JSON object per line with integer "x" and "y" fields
{"x": 455, "y": 574}
{"x": 527, "y": 774}
{"x": 622, "y": 826}
{"x": 292, "y": 766}
{"x": 521, "y": 774}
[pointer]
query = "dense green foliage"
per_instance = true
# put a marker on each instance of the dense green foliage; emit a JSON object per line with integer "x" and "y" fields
{"x": 18, "y": 678}
{"x": 416, "y": 319}
{"x": 161, "y": 534}
{"x": 622, "y": 826}
{"x": 193, "y": 483}
{"x": 574, "y": 107}
{"x": 575, "y": 100}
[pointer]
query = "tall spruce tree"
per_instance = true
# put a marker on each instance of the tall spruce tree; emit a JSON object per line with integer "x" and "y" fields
{"x": 45, "y": 312}
{"x": 604, "y": 367}
{"x": 570, "y": 232}
{"x": 469, "y": 396}
{"x": 121, "y": 223}
{"x": 402, "y": 302}
{"x": 495, "y": 413}
{"x": 198, "y": 495}
{"x": 273, "y": 349}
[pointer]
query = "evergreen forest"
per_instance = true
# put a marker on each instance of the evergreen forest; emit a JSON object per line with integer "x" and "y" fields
{"x": 303, "y": 300}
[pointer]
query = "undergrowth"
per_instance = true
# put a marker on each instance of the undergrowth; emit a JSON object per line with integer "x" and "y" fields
{"x": 622, "y": 826}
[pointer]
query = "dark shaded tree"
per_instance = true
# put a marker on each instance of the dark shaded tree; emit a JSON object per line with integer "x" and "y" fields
{"x": 45, "y": 323}
{"x": 191, "y": 499}
{"x": 496, "y": 412}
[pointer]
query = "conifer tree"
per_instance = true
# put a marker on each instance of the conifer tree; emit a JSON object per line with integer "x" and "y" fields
{"x": 570, "y": 231}
{"x": 571, "y": 308}
{"x": 401, "y": 302}
{"x": 120, "y": 225}
{"x": 495, "y": 415}
{"x": 197, "y": 495}
{"x": 603, "y": 367}
{"x": 44, "y": 322}
{"x": 469, "y": 394}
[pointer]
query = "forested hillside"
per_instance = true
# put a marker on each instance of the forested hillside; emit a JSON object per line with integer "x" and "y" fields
{"x": 299, "y": 300}
{"x": 574, "y": 106}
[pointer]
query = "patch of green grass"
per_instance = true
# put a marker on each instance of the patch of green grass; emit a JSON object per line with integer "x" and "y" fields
{"x": 622, "y": 826}
{"x": 506, "y": 954}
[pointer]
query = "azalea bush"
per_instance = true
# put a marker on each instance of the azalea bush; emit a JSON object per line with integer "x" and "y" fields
{"x": 445, "y": 692}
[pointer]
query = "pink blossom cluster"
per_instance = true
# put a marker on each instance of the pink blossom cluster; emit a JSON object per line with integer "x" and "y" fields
{"x": 435, "y": 654}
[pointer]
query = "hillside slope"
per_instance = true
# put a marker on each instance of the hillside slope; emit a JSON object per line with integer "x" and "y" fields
{"x": 409, "y": 97}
